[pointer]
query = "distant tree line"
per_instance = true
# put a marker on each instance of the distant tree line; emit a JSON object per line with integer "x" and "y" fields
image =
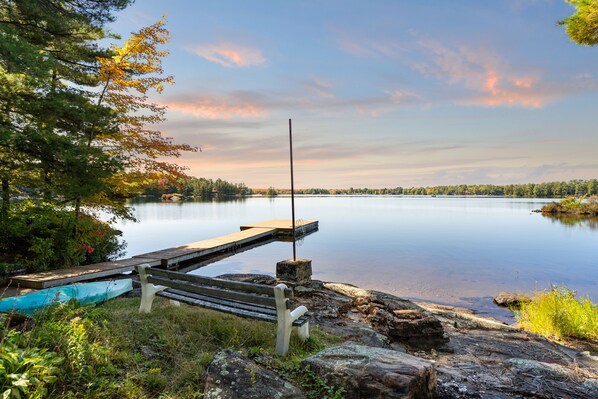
{"x": 528, "y": 190}
{"x": 198, "y": 187}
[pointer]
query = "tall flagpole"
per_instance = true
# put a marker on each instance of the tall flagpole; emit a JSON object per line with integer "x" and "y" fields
{"x": 292, "y": 190}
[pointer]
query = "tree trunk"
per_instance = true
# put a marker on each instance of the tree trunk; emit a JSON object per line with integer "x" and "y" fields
{"x": 5, "y": 197}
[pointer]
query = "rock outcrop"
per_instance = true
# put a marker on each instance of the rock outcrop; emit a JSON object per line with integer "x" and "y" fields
{"x": 231, "y": 375}
{"x": 485, "y": 358}
{"x": 400, "y": 319}
{"x": 365, "y": 372}
{"x": 488, "y": 359}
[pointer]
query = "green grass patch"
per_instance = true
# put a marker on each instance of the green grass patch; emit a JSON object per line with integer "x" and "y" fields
{"x": 559, "y": 314}
{"x": 113, "y": 351}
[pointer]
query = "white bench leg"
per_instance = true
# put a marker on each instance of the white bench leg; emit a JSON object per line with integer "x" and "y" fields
{"x": 285, "y": 321}
{"x": 303, "y": 331}
{"x": 148, "y": 293}
{"x": 148, "y": 290}
{"x": 283, "y": 337}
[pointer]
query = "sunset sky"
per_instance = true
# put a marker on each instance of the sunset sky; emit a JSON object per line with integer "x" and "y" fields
{"x": 381, "y": 93}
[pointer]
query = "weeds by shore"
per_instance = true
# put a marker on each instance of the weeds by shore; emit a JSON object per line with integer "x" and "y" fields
{"x": 559, "y": 314}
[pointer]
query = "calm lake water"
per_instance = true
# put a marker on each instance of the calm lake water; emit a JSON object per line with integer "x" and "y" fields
{"x": 450, "y": 250}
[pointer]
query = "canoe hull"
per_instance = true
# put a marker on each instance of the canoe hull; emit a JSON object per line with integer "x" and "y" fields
{"x": 84, "y": 293}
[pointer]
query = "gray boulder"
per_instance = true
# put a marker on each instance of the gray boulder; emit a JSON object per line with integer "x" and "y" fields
{"x": 511, "y": 300}
{"x": 366, "y": 372}
{"x": 231, "y": 375}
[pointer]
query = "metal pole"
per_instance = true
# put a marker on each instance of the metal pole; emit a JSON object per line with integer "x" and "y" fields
{"x": 292, "y": 190}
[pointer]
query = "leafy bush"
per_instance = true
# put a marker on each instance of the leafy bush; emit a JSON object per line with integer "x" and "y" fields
{"x": 42, "y": 237}
{"x": 26, "y": 372}
{"x": 77, "y": 334}
{"x": 557, "y": 313}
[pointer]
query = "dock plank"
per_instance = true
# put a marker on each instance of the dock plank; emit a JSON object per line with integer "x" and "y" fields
{"x": 197, "y": 249}
{"x": 54, "y": 278}
{"x": 284, "y": 225}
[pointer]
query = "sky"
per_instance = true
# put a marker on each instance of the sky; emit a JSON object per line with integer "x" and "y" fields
{"x": 380, "y": 93}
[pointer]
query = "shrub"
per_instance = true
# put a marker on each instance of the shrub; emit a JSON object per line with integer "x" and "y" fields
{"x": 557, "y": 313}
{"x": 42, "y": 237}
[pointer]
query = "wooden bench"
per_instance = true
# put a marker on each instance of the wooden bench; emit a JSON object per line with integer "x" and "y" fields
{"x": 256, "y": 301}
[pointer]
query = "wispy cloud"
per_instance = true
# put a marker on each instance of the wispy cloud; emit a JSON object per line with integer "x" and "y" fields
{"x": 321, "y": 87}
{"x": 367, "y": 48}
{"x": 207, "y": 107}
{"x": 478, "y": 76}
{"x": 229, "y": 54}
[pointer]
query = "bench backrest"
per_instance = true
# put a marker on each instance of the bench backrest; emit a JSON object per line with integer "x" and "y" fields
{"x": 259, "y": 294}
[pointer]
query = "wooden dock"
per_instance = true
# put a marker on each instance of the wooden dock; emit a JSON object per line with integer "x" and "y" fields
{"x": 172, "y": 256}
{"x": 169, "y": 257}
{"x": 285, "y": 227}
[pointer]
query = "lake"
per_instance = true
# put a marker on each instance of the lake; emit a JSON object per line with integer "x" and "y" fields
{"x": 449, "y": 250}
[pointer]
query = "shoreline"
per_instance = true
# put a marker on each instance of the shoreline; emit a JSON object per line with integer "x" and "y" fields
{"x": 388, "y": 346}
{"x": 473, "y": 355}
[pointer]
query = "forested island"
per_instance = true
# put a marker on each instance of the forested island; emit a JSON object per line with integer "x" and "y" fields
{"x": 198, "y": 188}
{"x": 581, "y": 207}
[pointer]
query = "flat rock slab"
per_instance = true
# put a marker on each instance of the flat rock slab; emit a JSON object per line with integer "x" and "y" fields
{"x": 367, "y": 372}
{"x": 231, "y": 375}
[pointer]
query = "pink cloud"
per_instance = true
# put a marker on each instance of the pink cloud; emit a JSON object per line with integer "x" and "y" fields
{"x": 210, "y": 108}
{"x": 486, "y": 73}
{"x": 229, "y": 55}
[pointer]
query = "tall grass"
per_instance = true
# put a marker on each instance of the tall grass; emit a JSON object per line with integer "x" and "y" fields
{"x": 111, "y": 351}
{"x": 559, "y": 314}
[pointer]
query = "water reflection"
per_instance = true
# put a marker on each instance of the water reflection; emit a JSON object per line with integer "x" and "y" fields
{"x": 590, "y": 222}
{"x": 435, "y": 249}
{"x": 151, "y": 200}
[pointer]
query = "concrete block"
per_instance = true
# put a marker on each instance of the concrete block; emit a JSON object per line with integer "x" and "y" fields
{"x": 295, "y": 271}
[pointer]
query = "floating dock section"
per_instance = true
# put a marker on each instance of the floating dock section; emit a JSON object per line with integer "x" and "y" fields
{"x": 168, "y": 258}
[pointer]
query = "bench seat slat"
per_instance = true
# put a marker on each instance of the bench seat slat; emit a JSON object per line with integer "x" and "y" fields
{"x": 226, "y": 302}
{"x": 217, "y": 306}
{"x": 213, "y": 291}
{"x": 208, "y": 304}
{"x": 218, "y": 282}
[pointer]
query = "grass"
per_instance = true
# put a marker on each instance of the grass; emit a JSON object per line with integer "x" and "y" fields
{"x": 112, "y": 351}
{"x": 559, "y": 314}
